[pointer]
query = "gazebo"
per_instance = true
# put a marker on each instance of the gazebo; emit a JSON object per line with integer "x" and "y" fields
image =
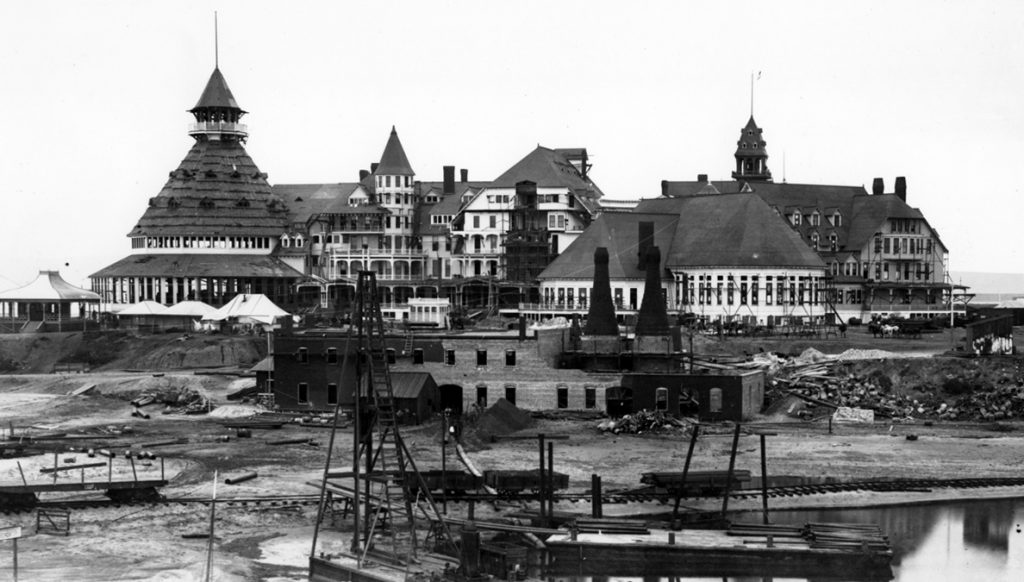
{"x": 49, "y": 303}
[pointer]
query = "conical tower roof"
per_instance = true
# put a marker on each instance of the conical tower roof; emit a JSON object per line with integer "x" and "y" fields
{"x": 750, "y": 142}
{"x": 217, "y": 94}
{"x": 394, "y": 161}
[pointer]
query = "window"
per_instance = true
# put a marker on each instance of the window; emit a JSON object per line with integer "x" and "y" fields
{"x": 332, "y": 394}
{"x": 481, "y": 395}
{"x": 332, "y": 355}
{"x": 796, "y": 219}
{"x": 510, "y": 393}
{"x": 715, "y": 400}
{"x": 590, "y": 397}
{"x": 815, "y": 219}
{"x": 303, "y": 396}
{"x": 302, "y": 355}
{"x": 476, "y": 222}
{"x": 661, "y": 399}
{"x": 563, "y": 396}
{"x": 493, "y": 221}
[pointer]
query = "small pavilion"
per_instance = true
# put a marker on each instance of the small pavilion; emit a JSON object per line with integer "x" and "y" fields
{"x": 49, "y": 303}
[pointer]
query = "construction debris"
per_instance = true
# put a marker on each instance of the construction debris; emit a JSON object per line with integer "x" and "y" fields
{"x": 644, "y": 421}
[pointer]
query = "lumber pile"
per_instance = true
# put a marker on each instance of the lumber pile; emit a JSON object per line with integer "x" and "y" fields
{"x": 644, "y": 421}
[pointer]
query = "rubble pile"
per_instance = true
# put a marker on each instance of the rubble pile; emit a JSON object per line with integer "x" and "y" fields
{"x": 929, "y": 390}
{"x": 176, "y": 400}
{"x": 642, "y": 422}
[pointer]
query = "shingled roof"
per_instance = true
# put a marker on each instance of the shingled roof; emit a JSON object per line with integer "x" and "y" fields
{"x": 547, "y": 168}
{"x": 862, "y": 214}
{"x": 394, "y": 161}
{"x": 199, "y": 265}
{"x": 619, "y": 232}
{"x": 216, "y": 190}
{"x": 307, "y": 200}
{"x": 217, "y": 94}
{"x": 735, "y": 230}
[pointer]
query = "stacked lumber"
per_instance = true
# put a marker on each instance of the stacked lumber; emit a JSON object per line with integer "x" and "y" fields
{"x": 611, "y": 526}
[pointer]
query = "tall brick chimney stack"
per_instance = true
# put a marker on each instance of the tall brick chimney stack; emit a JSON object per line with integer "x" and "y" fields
{"x": 645, "y": 241}
{"x": 449, "y": 179}
{"x": 601, "y": 314}
{"x": 653, "y": 317}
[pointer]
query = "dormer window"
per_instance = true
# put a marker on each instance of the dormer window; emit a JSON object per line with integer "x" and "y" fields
{"x": 815, "y": 219}
{"x": 285, "y": 241}
{"x": 243, "y": 203}
{"x": 833, "y": 241}
{"x": 206, "y": 203}
{"x": 299, "y": 241}
{"x": 814, "y": 239}
{"x": 173, "y": 202}
{"x": 795, "y": 217}
{"x": 837, "y": 219}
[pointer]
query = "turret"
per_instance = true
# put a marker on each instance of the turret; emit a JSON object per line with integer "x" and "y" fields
{"x": 217, "y": 113}
{"x": 751, "y": 155}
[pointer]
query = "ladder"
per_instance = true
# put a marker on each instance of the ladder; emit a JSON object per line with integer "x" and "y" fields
{"x": 390, "y": 460}
{"x": 407, "y": 348}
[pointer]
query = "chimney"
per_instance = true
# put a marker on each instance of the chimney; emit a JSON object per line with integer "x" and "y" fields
{"x": 646, "y": 241}
{"x": 664, "y": 188}
{"x": 465, "y": 175}
{"x": 363, "y": 174}
{"x": 702, "y": 178}
{"x": 901, "y": 188}
{"x": 878, "y": 186}
{"x": 449, "y": 179}
{"x": 373, "y": 167}
{"x": 601, "y": 315}
{"x": 653, "y": 317}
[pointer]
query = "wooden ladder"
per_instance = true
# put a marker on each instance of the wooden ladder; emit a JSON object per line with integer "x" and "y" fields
{"x": 390, "y": 457}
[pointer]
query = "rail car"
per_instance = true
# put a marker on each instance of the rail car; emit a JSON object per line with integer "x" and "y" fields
{"x": 452, "y": 481}
{"x": 697, "y": 482}
{"x": 510, "y": 481}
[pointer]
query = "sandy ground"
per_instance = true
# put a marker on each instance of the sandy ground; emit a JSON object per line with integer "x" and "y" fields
{"x": 273, "y": 543}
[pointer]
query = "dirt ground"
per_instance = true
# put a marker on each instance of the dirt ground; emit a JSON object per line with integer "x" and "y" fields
{"x": 274, "y": 542}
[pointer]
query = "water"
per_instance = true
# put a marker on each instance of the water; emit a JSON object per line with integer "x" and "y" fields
{"x": 952, "y": 542}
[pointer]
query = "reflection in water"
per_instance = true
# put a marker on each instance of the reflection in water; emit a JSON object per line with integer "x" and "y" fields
{"x": 954, "y": 542}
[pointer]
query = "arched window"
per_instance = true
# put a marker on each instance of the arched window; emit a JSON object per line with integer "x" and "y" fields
{"x": 661, "y": 399}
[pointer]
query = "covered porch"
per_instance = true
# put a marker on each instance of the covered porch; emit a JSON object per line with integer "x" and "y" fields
{"x": 49, "y": 303}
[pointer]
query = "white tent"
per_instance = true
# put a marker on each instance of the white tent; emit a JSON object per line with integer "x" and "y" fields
{"x": 248, "y": 308}
{"x": 189, "y": 309}
{"x": 144, "y": 308}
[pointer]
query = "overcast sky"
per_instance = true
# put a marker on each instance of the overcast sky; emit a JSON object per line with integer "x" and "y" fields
{"x": 95, "y": 97}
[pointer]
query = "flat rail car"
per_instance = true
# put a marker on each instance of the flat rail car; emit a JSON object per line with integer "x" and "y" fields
{"x": 517, "y": 481}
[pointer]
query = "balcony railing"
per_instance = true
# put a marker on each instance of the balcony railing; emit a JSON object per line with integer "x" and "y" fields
{"x": 376, "y": 253}
{"x": 218, "y": 126}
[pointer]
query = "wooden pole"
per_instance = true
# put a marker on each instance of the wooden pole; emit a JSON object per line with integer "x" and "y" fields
{"x": 540, "y": 443}
{"x": 595, "y": 496}
{"x": 732, "y": 468}
{"x": 54, "y": 466}
{"x": 764, "y": 480}
{"x": 551, "y": 480}
{"x": 22, "y": 474}
{"x": 686, "y": 470}
{"x": 135, "y": 476}
{"x": 209, "y": 545}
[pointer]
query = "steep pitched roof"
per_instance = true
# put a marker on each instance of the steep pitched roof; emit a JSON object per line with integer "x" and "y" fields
{"x": 217, "y": 94}
{"x": 393, "y": 161}
{"x": 548, "y": 169}
{"x": 735, "y": 230}
{"x": 216, "y": 190}
{"x": 447, "y": 206}
{"x": 306, "y": 200}
{"x": 619, "y": 233}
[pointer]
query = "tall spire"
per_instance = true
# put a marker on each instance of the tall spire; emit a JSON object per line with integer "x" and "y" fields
{"x": 393, "y": 161}
{"x": 217, "y": 113}
{"x": 751, "y": 155}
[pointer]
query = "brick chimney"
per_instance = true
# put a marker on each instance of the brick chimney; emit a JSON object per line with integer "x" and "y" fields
{"x": 464, "y": 175}
{"x": 664, "y": 188}
{"x": 601, "y": 314}
{"x": 878, "y": 186}
{"x": 645, "y": 241}
{"x": 901, "y": 188}
{"x": 449, "y": 179}
{"x": 702, "y": 178}
{"x": 653, "y": 317}
{"x": 363, "y": 174}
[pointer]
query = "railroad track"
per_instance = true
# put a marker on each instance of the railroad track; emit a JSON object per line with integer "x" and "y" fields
{"x": 276, "y": 501}
{"x": 647, "y": 495}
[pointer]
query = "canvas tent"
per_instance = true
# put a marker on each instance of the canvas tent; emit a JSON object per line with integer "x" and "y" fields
{"x": 185, "y": 315}
{"x": 143, "y": 314}
{"x": 248, "y": 308}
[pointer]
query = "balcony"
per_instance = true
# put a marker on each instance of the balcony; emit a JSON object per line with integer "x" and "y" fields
{"x": 225, "y": 127}
{"x": 378, "y": 253}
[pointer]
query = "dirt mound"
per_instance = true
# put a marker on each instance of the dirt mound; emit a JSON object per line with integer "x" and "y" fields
{"x": 501, "y": 418}
{"x": 120, "y": 350}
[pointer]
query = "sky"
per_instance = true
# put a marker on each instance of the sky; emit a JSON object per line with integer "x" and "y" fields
{"x": 96, "y": 97}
